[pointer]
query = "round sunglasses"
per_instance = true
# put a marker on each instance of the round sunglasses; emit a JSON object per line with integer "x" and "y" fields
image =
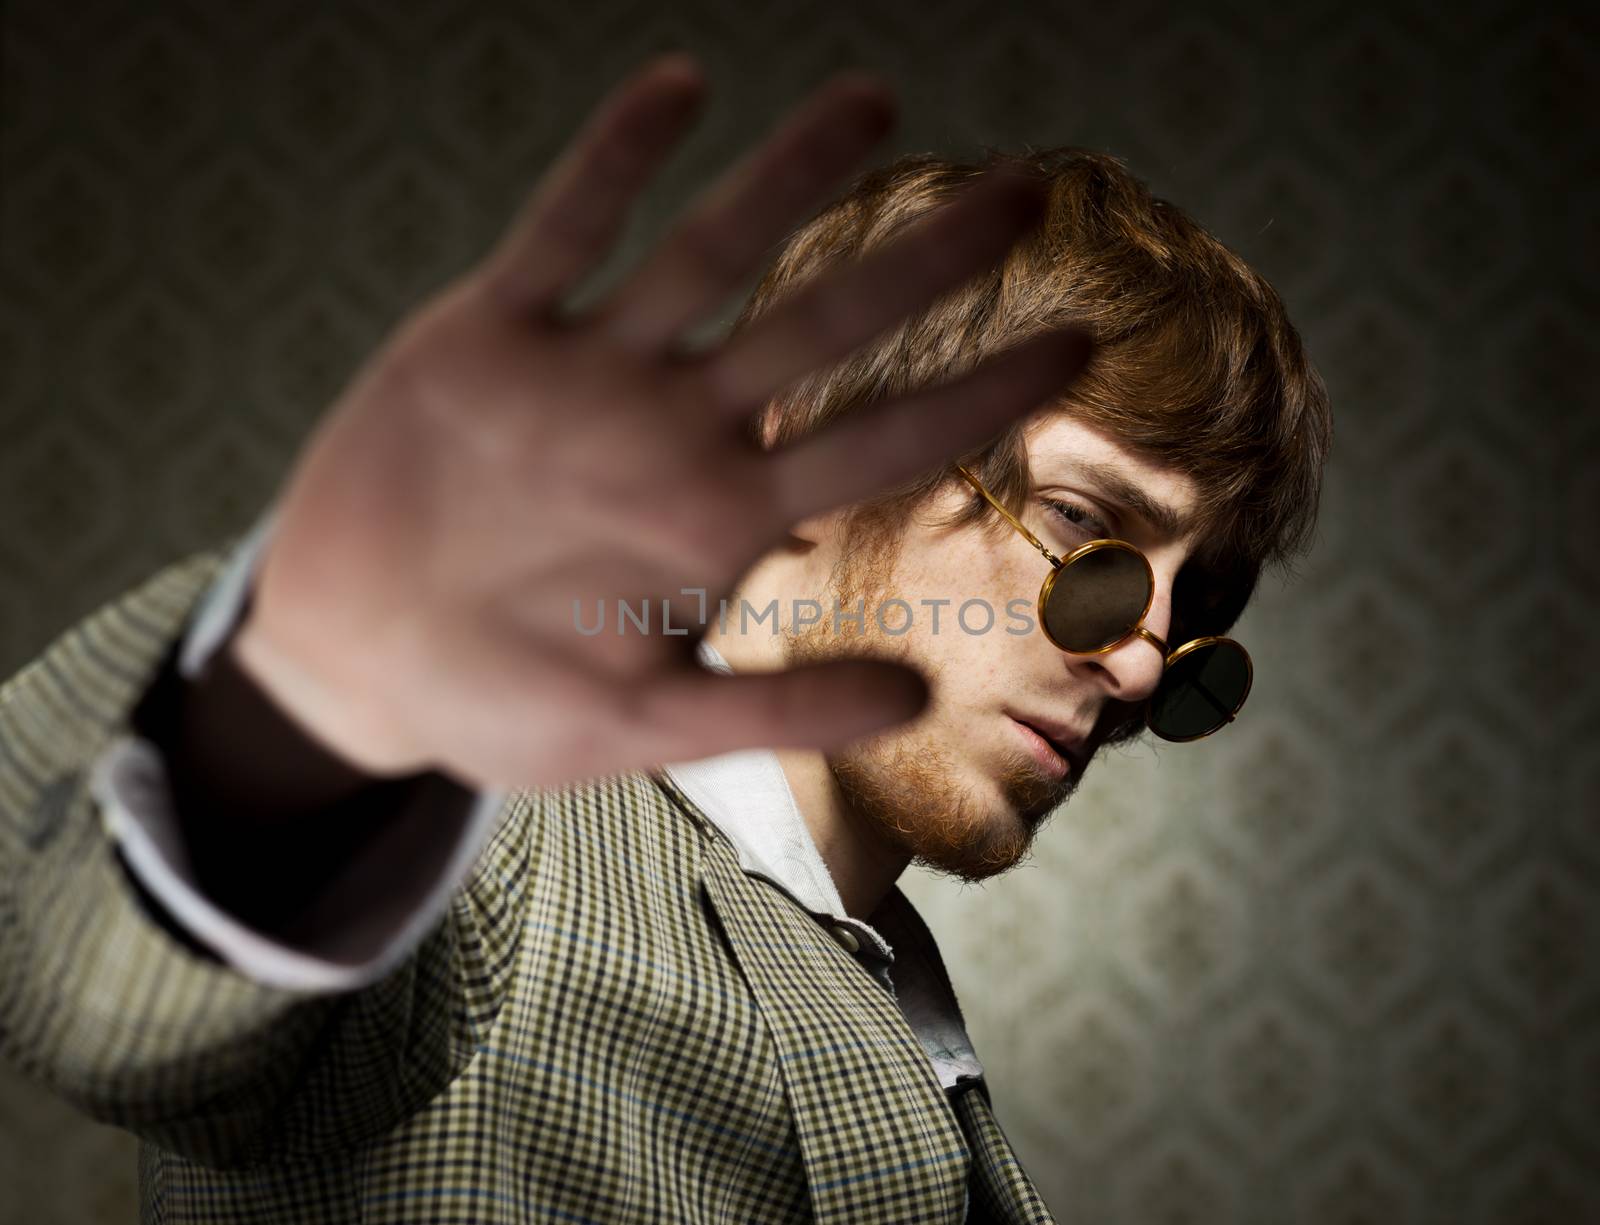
{"x": 1096, "y": 597}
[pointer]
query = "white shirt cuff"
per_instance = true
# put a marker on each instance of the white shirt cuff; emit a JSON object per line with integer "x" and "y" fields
{"x": 130, "y": 782}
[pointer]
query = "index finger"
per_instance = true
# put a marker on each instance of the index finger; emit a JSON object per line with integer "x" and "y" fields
{"x": 575, "y": 214}
{"x": 847, "y": 304}
{"x": 876, "y": 447}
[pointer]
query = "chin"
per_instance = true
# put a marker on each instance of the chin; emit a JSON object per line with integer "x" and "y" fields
{"x": 990, "y": 849}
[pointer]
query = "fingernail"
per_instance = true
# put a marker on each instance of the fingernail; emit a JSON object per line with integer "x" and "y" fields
{"x": 875, "y": 105}
{"x": 909, "y": 690}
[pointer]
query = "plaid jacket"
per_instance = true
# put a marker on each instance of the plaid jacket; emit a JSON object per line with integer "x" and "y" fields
{"x": 613, "y": 1022}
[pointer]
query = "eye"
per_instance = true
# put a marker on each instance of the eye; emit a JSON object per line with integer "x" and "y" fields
{"x": 1207, "y": 601}
{"x": 1079, "y": 517}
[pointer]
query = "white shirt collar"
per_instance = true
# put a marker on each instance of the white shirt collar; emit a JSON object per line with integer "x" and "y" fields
{"x": 746, "y": 795}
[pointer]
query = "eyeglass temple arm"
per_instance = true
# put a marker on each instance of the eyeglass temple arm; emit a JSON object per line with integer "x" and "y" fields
{"x": 1011, "y": 519}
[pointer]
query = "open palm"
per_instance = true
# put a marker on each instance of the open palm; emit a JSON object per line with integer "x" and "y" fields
{"x": 497, "y": 460}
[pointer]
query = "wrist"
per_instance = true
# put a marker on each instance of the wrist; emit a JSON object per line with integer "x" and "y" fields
{"x": 317, "y": 708}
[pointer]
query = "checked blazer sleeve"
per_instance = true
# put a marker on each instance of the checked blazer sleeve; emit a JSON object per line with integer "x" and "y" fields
{"x": 106, "y": 1005}
{"x": 390, "y": 888}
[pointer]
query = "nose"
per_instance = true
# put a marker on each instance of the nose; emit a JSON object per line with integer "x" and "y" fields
{"x": 1132, "y": 669}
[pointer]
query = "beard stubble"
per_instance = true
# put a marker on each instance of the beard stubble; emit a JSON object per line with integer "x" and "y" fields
{"x": 902, "y": 782}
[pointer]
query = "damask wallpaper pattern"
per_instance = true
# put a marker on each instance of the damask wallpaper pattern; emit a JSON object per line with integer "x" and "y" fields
{"x": 1337, "y": 966}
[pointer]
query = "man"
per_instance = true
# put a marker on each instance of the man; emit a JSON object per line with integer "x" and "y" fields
{"x": 357, "y": 879}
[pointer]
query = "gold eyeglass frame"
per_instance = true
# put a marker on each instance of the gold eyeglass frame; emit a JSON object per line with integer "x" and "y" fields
{"x": 1169, "y": 657}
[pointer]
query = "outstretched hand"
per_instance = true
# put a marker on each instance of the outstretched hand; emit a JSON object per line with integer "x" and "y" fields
{"x": 497, "y": 460}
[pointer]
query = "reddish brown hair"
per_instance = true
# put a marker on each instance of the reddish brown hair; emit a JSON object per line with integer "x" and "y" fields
{"x": 1196, "y": 366}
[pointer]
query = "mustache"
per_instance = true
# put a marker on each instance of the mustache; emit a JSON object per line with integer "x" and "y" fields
{"x": 1119, "y": 723}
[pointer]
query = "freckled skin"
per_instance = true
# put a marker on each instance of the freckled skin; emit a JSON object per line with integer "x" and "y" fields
{"x": 956, "y": 789}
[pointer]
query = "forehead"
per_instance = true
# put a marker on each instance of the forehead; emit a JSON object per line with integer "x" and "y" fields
{"x": 1065, "y": 452}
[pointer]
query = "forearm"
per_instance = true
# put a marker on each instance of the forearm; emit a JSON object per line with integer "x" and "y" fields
{"x": 257, "y": 844}
{"x": 269, "y": 817}
{"x": 203, "y": 1055}
{"x": 97, "y": 1004}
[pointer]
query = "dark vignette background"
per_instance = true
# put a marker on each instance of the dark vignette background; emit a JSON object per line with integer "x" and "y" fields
{"x": 1338, "y": 967}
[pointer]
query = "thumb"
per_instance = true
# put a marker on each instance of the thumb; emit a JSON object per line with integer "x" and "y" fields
{"x": 822, "y": 705}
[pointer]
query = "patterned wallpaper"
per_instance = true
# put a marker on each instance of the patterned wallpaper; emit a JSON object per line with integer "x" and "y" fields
{"x": 1338, "y": 966}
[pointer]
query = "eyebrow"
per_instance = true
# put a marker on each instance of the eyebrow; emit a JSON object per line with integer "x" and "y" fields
{"x": 1118, "y": 487}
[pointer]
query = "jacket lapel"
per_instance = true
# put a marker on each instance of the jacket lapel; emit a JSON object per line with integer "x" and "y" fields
{"x": 877, "y": 1135}
{"x": 1001, "y": 1189}
{"x": 1002, "y": 1192}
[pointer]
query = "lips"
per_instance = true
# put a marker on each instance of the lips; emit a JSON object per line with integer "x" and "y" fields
{"x": 1061, "y": 737}
{"x": 1046, "y": 755}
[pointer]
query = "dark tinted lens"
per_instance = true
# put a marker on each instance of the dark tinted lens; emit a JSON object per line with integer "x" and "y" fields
{"x": 1199, "y": 692}
{"x": 1098, "y": 599}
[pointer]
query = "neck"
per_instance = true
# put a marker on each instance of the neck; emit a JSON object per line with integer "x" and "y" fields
{"x": 863, "y": 864}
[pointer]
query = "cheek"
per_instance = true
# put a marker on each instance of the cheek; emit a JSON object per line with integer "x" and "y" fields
{"x": 961, "y": 572}
{"x": 973, "y": 671}
{"x": 978, "y": 664}
{"x": 972, "y": 668}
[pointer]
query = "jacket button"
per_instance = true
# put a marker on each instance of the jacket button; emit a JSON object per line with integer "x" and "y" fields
{"x": 847, "y": 939}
